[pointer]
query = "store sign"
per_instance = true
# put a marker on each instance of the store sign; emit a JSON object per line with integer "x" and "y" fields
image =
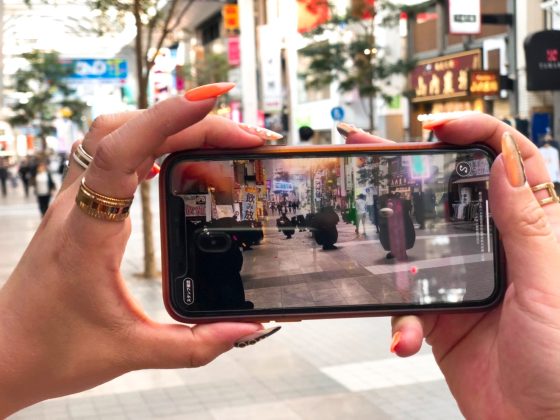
{"x": 444, "y": 77}
{"x": 464, "y": 17}
{"x": 484, "y": 82}
{"x": 542, "y": 55}
{"x": 234, "y": 53}
{"x": 107, "y": 70}
{"x": 230, "y": 14}
{"x": 249, "y": 204}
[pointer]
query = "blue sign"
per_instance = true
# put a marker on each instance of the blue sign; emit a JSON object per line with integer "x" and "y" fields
{"x": 110, "y": 70}
{"x": 282, "y": 186}
{"x": 337, "y": 113}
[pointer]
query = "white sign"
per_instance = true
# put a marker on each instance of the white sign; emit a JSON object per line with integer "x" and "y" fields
{"x": 271, "y": 71}
{"x": 464, "y": 17}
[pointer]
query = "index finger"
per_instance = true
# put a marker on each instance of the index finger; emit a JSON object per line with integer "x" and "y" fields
{"x": 117, "y": 158}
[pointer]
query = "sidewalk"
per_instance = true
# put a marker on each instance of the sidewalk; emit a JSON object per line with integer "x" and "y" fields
{"x": 333, "y": 369}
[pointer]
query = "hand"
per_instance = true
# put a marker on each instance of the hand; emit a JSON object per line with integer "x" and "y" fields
{"x": 68, "y": 322}
{"x": 505, "y": 362}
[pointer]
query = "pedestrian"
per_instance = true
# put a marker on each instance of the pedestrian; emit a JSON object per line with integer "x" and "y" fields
{"x": 24, "y": 172}
{"x": 4, "y": 176}
{"x": 44, "y": 187}
{"x": 361, "y": 213}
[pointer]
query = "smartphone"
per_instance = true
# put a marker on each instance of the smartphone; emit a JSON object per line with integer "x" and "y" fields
{"x": 292, "y": 233}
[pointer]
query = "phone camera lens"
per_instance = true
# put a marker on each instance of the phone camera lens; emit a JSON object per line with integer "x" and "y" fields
{"x": 213, "y": 242}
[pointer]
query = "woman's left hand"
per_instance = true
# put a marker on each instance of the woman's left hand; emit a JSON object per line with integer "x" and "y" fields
{"x": 68, "y": 321}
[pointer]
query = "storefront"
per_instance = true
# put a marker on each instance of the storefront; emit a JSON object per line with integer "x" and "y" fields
{"x": 452, "y": 83}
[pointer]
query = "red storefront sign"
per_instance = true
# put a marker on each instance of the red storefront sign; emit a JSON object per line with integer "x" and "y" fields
{"x": 444, "y": 77}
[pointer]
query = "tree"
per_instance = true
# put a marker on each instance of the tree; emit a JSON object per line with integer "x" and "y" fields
{"x": 44, "y": 92}
{"x": 154, "y": 27}
{"x": 350, "y": 55}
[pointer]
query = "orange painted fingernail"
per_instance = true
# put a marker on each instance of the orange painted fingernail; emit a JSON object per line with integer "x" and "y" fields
{"x": 513, "y": 161}
{"x": 153, "y": 171}
{"x": 208, "y": 91}
{"x": 395, "y": 342}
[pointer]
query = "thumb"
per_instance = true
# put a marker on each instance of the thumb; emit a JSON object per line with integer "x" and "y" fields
{"x": 530, "y": 243}
{"x": 165, "y": 346}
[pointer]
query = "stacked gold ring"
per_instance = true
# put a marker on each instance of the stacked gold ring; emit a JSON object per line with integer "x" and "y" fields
{"x": 101, "y": 206}
{"x": 82, "y": 157}
{"x": 552, "y": 196}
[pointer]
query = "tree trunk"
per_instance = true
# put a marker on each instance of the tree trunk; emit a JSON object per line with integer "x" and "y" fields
{"x": 150, "y": 269}
{"x": 371, "y": 112}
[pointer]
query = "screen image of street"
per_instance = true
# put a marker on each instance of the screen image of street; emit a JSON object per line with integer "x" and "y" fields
{"x": 355, "y": 230}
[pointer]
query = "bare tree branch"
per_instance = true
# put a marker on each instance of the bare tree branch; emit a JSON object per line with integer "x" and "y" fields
{"x": 165, "y": 31}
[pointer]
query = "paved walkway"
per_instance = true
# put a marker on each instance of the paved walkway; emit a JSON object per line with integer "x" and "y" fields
{"x": 334, "y": 369}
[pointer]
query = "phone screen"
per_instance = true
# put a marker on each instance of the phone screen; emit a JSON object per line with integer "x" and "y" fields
{"x": 363, "y": 230}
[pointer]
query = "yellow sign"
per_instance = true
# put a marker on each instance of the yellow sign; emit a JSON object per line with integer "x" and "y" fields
{"x": 484, "y": 83}
{"x": 230, "y": 14}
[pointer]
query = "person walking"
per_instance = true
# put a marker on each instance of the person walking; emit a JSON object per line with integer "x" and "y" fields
{"x": 24, "y": 173}
{"x": 361, "y": 213}
{"x": 4, "y": 176}
{"x": 44, "y": 187}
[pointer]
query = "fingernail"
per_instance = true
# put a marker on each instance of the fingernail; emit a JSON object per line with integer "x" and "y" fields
{"x": 208, "y": 91}
{"x": 513, "y": 161}
{"x": 395, "y": 342}
{"x": 153, "y": 171}
{"x": 249, "y": 340}
{"x": 263, "y": 133}
{"x": 431, "y": 121}
{"x": 345, "y": 129}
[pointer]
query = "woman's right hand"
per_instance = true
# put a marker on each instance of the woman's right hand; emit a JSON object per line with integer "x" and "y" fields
{"x": 503, "y": 363}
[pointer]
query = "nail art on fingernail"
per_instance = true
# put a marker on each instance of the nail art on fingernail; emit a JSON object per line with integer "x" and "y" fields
{"x": 395, "y": 342}
{"x": 261, "y": 132}
{"x": 154, "y": 170}
{"x": 208, "y": 91}
{"x": 513, "y": 162}
{"x": 345, "y": 129}
{"x": 254, "y": 338}
{"x": 431, "y": 121}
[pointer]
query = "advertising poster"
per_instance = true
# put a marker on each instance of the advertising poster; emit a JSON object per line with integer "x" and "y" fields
{"x": 197, "y": 205}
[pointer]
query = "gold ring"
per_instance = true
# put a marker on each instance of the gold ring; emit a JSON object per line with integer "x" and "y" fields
{"x": 101, "y": 206}
{"x": 552, "y": 196}
{"x": 82, "y": 157}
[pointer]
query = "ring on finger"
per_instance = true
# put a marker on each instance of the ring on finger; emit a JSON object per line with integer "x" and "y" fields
{"x": 82, "y": 157}
{"x": 549, "y": 188}
{"x": 101, "y": 206}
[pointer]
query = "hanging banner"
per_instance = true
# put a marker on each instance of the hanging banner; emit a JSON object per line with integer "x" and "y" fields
{"x": 249, "y": 204}
{"x": 542, "y": 55}
{"x": 271, "y": 67}
{"x": 464, "y": 17}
